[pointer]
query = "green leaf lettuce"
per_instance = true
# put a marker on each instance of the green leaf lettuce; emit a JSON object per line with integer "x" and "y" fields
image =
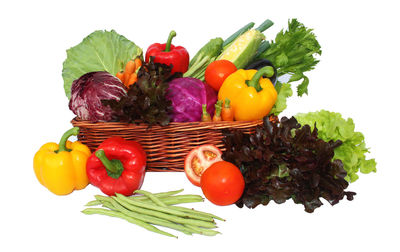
{"x": 331, "y": 126}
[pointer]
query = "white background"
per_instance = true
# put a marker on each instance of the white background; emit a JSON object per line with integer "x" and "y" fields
{"x": 357, "y": 76}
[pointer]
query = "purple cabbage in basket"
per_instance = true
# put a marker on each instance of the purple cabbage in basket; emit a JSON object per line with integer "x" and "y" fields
{"x": 88, "y": 91}
{"x": 187, "y": 96}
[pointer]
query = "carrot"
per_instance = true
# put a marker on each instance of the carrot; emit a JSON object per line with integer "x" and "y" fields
{"x": 205, "y": 117}
{"x": 217, "y": 114}
{"x": 120, "y": 76}
{"x": 126, "y": 78}
{"x": 227, "y": 112}
{"x": 130, "y": 67}
{"x": 138, "y": 63}
{"x": 132, "y": 79}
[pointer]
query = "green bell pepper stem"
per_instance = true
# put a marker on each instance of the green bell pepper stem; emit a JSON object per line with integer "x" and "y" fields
{"x": 71, "y": 132}
{"x": 168, "y": 45}
{"x": 106, "y": 162}
{"x": 255, "y": 81}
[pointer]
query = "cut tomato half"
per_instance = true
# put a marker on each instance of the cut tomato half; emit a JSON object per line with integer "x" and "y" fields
{"x": 199, "y": 159}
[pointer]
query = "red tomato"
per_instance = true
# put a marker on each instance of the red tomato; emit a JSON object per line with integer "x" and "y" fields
{"x": 217, "y": 72}
{"x": 199, "y": 159}
{"x": 222, "y": 183}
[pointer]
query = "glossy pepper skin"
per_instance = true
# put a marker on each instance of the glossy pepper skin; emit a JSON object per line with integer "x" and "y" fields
{"x": 252, "y": 97}
{"x": 62, "y": 167}
{"x": 168, "y": 54}
{"x": 117, "y": 166}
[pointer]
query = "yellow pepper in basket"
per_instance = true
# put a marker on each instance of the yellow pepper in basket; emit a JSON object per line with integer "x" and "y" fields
{"x": 251, "y": 96}
{"x": 62, "y": 167}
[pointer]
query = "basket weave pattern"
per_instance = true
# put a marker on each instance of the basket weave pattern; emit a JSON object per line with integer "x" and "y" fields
{"x": 166, "y": 146}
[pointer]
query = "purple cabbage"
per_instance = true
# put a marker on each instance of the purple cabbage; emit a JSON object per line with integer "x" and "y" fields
{"x": 187, "y": 96}
{"x": 88, "y": 91}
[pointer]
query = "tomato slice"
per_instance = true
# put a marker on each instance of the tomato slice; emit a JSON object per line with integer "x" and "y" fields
{"x": 199, "y": 159}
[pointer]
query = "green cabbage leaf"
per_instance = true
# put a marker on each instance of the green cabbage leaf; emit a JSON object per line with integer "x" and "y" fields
{"x": 100, "y": 51}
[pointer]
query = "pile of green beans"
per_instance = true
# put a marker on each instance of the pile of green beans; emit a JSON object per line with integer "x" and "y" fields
{"x": 157, "y": 209}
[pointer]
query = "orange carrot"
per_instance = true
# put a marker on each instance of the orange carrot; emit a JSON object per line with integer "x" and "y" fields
{"x": 217, "y": 115}
{"x": 227, "y": 112}
{"x": 205, "y": 117}
{"x": 126, "y": 78}
{"x": 130, "y": 67}
{"x": 138, "y": 63}
{"x": 132, "y": 79}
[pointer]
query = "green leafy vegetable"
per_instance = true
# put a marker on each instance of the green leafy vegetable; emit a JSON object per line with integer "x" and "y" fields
{"x": 100, "y": 51}
{"x": 331, "y": 126}
{"x": 293, "y": 52}
{"x": 278, "y": 165}
{"x": 284, "y": 91}
{"x": 145, "y": 101}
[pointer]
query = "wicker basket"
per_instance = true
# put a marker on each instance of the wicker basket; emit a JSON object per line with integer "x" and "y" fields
{"x": 166, "y": 146}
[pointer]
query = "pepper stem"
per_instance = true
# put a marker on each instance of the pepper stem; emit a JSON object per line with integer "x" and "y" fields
{"x": 71, "y": 132}
{"x": 168, "y": 44}
{"x": 255, "y": 81}
{"x": 106, "y": 162}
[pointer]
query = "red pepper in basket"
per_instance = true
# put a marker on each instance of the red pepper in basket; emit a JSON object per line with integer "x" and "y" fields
{"x": 117, "y": 166}
{"x": 169, "y": 54}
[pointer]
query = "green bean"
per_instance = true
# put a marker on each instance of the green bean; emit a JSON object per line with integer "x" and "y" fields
{"x": 178, "y": 208}
{"x": 152, "y": 197}
{"x": 108, "y": 205}
{"x": 203, "y": 231}
{"x": 163, "y": 209}
{"x": 162, "y": 194}
{"x": 114, "y": 205}
{"x": 127, "y": 218}
{"x": 162, "y": 215}
{"x": 173, "y": 200}
{"x": 187, "y": 229}
{"x": 101, "y": 198}
{"x": 93, "y": 203}
{"x": 191, "y": 210}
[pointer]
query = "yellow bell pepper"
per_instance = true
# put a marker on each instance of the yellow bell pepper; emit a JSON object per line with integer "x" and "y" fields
{"x": 62, "y": 167}
{"x": 251, "y": 96}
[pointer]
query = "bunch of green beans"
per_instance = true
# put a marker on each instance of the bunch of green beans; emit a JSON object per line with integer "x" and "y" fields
{"x": 157, "y": 209}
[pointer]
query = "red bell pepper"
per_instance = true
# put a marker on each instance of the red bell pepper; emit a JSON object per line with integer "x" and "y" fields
{"x": 117, "y": 166}
{"x": 169, "y": 54}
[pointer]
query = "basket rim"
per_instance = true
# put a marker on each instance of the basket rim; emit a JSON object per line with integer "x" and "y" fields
{"x": 176, "y": 126}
